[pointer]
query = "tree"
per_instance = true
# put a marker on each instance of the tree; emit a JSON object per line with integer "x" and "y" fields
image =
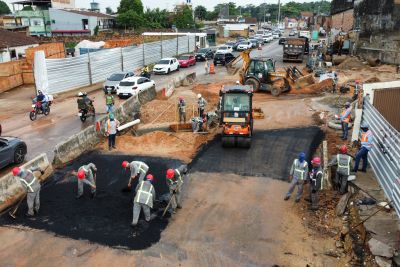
{"x": 156, "y": 18}
{"x": 4, "y": 9}
{"x": 184, "y": 18}
{"x": 200, "y": 12}
{"x": 109, "y": 11}
{"x": 130, "y": 19}
{"x": 130, "y": 5}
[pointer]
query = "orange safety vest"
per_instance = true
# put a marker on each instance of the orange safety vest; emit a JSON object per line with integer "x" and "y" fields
{"x": 346, "y": 119}
{"x": 364, "y": 138}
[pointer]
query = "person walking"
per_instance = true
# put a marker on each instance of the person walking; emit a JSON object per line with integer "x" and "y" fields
{"x": 182, "y": 110}
{"x": 109, "y": 101}
{"x": 144, "y": 198}
{"x": 175, "y": 182}
{"x": 31, "y": 186}
{"x": 138, "y": 168}
{"x": 366, "y": 144}
{"x": 345, "y": 118}
{"x": 298, "y": 173}
{"x": 201, "y": 102}
{"x": 206, "y": 66}
{"x": 111, "y": 130}
{"x": 315, "y": 180}
{"x": 343, "y": 161}
{"x": 87, "y": 174}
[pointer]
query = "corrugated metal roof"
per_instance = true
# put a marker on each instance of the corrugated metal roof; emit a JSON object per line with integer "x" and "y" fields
{"x": 90, "y": 14}
{"x": 14, "y": 39}
{"x": 236, "y": 27}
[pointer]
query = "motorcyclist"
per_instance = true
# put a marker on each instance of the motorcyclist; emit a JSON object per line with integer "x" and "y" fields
{"x": 42, "y": 99}
{"x": 146, "y": 72}
{"x": 86, "y": 100}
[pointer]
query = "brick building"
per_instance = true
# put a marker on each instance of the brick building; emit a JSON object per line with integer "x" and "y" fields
{"x": 342, "y": 15}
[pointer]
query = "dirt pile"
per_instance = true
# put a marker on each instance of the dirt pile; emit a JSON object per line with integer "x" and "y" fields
{"x": 351, "y": 63}
{"x": 210, "y": 92}
{"x": 316, "y": 88}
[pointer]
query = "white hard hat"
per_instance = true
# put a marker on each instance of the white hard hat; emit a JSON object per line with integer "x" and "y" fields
{"x": 237, "y": 82}
{"x": 80, "y": 94}
{"x": 199, "y": 96}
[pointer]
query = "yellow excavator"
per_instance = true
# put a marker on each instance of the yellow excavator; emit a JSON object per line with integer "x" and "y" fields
{"x": 260, "y": 73}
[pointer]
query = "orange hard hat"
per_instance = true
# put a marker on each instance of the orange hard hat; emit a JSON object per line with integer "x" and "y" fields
{"x": 81, "y": 174}
{"x": 125, "y": 164}
{"x": 316, "y": 161}
{"x": 149, "y": 177}
{"x": 15, "y": 171}
{"x": 170, "y": 173}
{"x": 343, "y": 149}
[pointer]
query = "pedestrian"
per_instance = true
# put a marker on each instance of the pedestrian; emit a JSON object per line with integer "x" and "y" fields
{"x": 345, "y": 118}
{"x": 343, "y": 161}
{"x": 87, "y": 174}
{"x": 32, "y": 187}
{"x": 315, "y": 180}
{"x": 111, "y": 127}
{"x": 138, "y": 168}
{"x": 366, "y": 144}
{"x": 335, "y": 82}
{"x": 206, "y": 66}
{"x": 182, "y": 110}
{"x": 298, "y": 173}
{"x": 109, "y": 101}
{"x": 175, "y": 182}
{"x": 201, "y": 102}
{"x": 144, "y": 198}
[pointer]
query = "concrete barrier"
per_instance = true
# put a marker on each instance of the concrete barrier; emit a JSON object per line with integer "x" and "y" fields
{"x": 10, "y": 186}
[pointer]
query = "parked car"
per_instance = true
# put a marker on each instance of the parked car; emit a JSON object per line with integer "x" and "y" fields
{"x": 186, "y": 61}
{"x": 260, "y": 40}
{"x": 204, "y": 53}
{"x": 275, "y": 35}
{"x": 233, "y": 44}
{"x": 244, "y": 46}
{"x": 12, "y": 150}
{"x": 133, "y": 85}
{"x": 166, "y": 65}
{"x": 225, "y": 49}
{"x": 267, "y": 37}
{"x": 254, "y": 43}
{"x": 223, "y": 58}
{"x": 292, "y": 33}
{"x": 112, "y": 81}
{"x": 282, "y": 41}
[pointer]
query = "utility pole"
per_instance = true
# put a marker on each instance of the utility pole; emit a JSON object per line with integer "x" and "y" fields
{"x": 279, "y": 12}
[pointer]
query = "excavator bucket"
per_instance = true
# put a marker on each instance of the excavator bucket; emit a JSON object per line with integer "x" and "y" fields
{"x": 233, "y": 67}
{"x": 305, "y": 81}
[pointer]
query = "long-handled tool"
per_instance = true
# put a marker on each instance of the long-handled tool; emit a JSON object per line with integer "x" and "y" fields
{"x": 169, "y": 204}
{"x": 13, "y": 212}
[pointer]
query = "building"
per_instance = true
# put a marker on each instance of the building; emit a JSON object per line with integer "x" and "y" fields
{"x": 13, "y": 45}
{"x": 378, "y": 22}
{"x": 76, "y": 22}
{"x": 234, "y": 30}
{"x": 291, "y": 23}
{"x": 342, "y": 15}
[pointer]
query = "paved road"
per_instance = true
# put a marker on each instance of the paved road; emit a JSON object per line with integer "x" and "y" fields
{"x": 43, "y": 134}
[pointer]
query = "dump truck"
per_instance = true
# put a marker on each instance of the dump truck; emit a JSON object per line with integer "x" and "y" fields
{"x": 236, "y": 117}
{"x": 261, "y": 74}
{"x": 293, "y": 50}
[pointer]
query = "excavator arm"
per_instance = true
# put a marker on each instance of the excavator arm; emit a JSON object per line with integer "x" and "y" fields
{"x": 234, "y": 66}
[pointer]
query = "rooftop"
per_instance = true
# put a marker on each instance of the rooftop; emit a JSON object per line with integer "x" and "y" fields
{"x": 90, "y": 13}
{"x": 14, "y": 39}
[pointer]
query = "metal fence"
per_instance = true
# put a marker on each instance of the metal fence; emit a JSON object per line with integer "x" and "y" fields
{"x": 69, "y": 73}
{"x": 385, "y": 153}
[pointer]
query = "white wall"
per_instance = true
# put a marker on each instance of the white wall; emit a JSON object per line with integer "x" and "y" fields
{"x": 64, "y": 20}
{"x": 6, "y": 56}
{"x": 370, "y": 88}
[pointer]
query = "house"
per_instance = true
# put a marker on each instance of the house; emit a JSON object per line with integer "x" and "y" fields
{"x": 291, "y": 23}
{"x": 13, "y": 45}
{"x": 77, "y": 22}
{"x": 342, "y": 15}
{"x": 378, "y": 26}
{"x": 232, "y": 30}
{"x": 305, "y": 15}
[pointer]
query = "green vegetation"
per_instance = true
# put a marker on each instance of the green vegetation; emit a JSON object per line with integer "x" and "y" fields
{"x": 4, "y": 9}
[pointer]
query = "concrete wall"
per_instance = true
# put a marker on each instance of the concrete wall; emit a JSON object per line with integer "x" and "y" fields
{"x": 10, "y": 186}
{"x": 64, "y": 20}
{"x": 343, "y": 20}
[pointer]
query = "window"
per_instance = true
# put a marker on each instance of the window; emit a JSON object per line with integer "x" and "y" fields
{"x": 53, "y": 21}
{"x": 37, "y": 22}
{"x": 236, "y": 102}
{"x": 126, "y": 83}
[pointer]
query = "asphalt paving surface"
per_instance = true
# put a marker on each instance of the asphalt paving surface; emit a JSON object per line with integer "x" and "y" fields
{"x": 106, "y": 219}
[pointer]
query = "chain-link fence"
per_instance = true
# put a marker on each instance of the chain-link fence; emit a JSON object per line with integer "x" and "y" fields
{"x": 84, "y": 70}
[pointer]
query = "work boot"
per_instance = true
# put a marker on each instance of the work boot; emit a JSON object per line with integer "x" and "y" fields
{"x": 109, "y": 149}
{"x": 28, "y": 214}
{"x": 36, "y": 212}
{"x": 114, "y": 147}
{"x": 307, "y": 199}
{"x": 93, "y": 195}
{"x": 78, "y": 196}
{"x": 297, "y": 200}
{"x": 133, "y": 225}
{"x": 286, "y": 198}
{"x": 179, "y": 206}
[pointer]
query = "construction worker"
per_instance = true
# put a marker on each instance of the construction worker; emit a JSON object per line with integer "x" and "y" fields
{"x": 175, "y": 182}
{"x": 366, "y": 145}
{"x": 206, "y": 66}
{"x": 87, "y": 174}
{"x": 144, "y": 198}
{"x": 182, "y": 110}
{"x": 32, "y": 187}
{"x": 315, "y": 178}
{"x": 138, "y": 168}
{"x": 201, "y": 102}
{"x": 298, "y": 173}
{"x": 109, "y": 101}
{"x": 344, "y": 163}
{"x": 345, "y": 118}
{"x": 111, "y": 130}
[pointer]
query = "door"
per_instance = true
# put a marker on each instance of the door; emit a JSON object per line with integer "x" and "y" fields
{"x": 259, "y": 70}
{"x": 5, "y": 154}
{"x": 140, "y": 85}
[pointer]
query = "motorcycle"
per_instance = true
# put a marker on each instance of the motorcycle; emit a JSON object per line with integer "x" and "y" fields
{"x": 145, "y": 74}
{"x": 86, "y": 111}
{"x": 37, "y": 109}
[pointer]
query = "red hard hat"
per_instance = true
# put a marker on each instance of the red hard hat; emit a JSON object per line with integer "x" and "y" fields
{"x": 125, "y": 164}
{"x": 15, "y": 171}
{"x": 181, "y": 98}
{"x": 343, "y": 149}
{"x": 149, "y": 177}
{"x": 81, "y": 174}
{"x": 357, "y": 81}
{"x": 170, "y": 173}
{"x": 316, "y": 161}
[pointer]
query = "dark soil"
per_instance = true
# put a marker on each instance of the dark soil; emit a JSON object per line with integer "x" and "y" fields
{"x": 106, "y": 219}
{"x": 271, "y": 154}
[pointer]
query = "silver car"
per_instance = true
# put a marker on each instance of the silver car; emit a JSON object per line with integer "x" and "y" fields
{"x": 113, "y": 81}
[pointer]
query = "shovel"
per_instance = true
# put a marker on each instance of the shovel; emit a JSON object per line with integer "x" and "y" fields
{"x": 13, "y": 212}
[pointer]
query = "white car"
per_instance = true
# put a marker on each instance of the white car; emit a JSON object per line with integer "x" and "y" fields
{"x": 268, "y": 37}
{"x": 166, "y": 65}
{"x": 275, "y": 35}
{"x": 244, "y": 46}
{"x": 224, "y": 49}
{"x": 133, "y": 85}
